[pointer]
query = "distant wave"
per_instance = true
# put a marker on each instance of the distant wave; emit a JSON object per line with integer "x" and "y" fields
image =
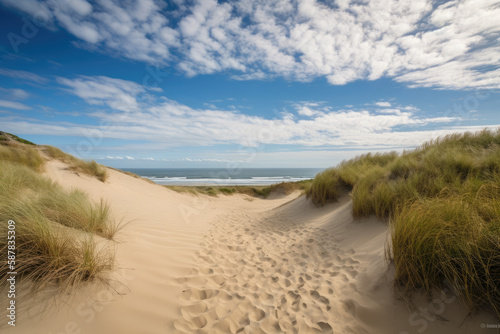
{"x": 275, "y": 177}
{"x": 238, "y": 181}
{"x": 165, "y": 178}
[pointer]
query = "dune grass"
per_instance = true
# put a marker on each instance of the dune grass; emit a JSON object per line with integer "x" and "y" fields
{"x": 91, "y": 168}
{"x": 57, "y": 232}
{"x": 21, "y": 154}
{"x": 443, "y": 203}
{"x": 12, "y": 149}
{"x": 5, "y": 136}
{"x": 255, "y": 191}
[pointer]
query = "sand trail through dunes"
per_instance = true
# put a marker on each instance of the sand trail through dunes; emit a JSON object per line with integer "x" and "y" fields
{"x": 274, "y": 272}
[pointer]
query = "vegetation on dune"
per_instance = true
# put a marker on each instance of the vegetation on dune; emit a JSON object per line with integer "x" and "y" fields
{"x": 59, "y": 235}
{"x": 91, "y": 168}
{"x": 5, "y": 136}
{"x": 256, "y": 191}
{"x": 55, "y": 229}
{"x": 23, "y": 155}
{"x": 443, "y": 202}
{"x": 12, "y": 149}
{"x": 289, "y": 187}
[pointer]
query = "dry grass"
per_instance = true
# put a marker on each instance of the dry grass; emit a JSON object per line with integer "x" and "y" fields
{"x": 443, "y": 201}
{"x": 256, "y": 191}
{"x": 57, "y": 232}
{"x": 91, "y": 168}
{"x": 21, "y": 154}
{"x": 9, "y": 137}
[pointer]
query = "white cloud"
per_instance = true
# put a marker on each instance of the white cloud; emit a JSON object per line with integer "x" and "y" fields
{"x": 389, "y": 111}
{"x": 169, "y": 160}
{"x": 308, "y": 108}
{"x": 23, "y": 75}
{"x": 136, "y": 30}
{"x": 257, "y": 75}
{"x": 14, "y": 93}
{"x": 116, "y": 93}
{"x": 383, "y": 104}
{"x": 450, "y": 45}
{"x": 110, "y": 157}
{"x": 306, "y": 111}
{"x": 204, "y": 160}
{"x": 31, "y": 7}
{"x": 139, "y": 116}
{"x": 13, "y": 105}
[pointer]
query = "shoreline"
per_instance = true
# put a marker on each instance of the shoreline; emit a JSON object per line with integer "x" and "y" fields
{"x": 219, "y": 185}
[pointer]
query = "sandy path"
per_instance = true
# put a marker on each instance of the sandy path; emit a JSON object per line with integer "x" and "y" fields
{"x": 278, "y": 271}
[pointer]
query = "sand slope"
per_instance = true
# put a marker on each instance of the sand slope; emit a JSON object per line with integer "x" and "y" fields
{"x": 236, "y": 264}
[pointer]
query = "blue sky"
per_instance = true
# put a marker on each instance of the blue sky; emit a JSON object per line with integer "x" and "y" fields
{"x": 245, "y": 83}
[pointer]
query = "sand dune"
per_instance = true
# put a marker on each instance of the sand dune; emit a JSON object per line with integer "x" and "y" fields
{"x": 237, "y": 264}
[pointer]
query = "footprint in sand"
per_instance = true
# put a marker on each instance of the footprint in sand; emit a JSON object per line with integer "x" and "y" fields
{"x": 315, "y": 295}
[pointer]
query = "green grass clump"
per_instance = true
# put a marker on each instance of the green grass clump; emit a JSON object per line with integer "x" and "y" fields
{"x": 56, "y": 231}
{"x": 450, "y": 239}
{"x": 443, "y": 201}
{"x": 331, "y": 183}
{"x": 91, "y": 168}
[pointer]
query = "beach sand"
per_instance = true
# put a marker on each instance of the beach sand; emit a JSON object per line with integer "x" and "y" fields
{"x": 238, "y": 264}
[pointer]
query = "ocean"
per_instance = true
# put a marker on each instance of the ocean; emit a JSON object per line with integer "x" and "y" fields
{"x": 223, "y": 176}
